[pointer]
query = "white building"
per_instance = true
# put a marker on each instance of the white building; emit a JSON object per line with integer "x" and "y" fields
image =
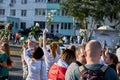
{"x": 25, "y": 13}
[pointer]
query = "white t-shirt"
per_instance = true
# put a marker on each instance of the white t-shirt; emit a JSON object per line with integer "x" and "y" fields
{"x": 36, "y": 69}
{"x": 49, "y": 59}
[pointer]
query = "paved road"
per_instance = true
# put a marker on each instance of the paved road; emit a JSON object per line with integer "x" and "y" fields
{"x": 16, "y": 71}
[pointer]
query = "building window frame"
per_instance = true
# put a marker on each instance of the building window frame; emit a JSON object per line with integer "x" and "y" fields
{"x": 40, "y": 1}
{"x": 13, "y": 12}
{"x": 13, "y": 1}
{"x": 23, "y": 1}
{"x": 1, "y": 1}
{"x": 23, "y": 25}
{"x": 66, "y": 26}
{"x": 2, "y": 11}
{"x": 39, "y": 11}
{"x": 23, "y": 12}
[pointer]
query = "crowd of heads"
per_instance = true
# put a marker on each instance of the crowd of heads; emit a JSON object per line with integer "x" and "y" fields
{"x": 88, "y": 53}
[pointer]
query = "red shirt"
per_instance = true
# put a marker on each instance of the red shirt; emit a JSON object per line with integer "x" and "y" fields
{"x": 57, "y": 72}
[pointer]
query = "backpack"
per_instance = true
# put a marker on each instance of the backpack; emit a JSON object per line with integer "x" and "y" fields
{"x": 86, "y": 74}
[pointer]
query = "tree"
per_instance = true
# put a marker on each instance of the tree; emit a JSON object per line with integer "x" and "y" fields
{"x": 98, "y": 10}
{"x": 81, "y": 10}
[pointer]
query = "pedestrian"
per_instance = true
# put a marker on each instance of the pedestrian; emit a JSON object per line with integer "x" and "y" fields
{"x": 36, "y": 65}
{"x": 72, "y": 47}
{"x": 17, "y": 38}
{"x": 111, "y": 60}
{"x": 78, "y": 39}
{"x": 80, "y": 59}
{"x": 5, "y": 61}
{"x": 31, "y": 43}
{"x": 58, "y": 70}
{"x": 71, "y": 40}
{"x": 118, "y": 69}
{"x": 84, "y": 41}
{"x": 51, "y": 56}
{"x": 93, "y": 51}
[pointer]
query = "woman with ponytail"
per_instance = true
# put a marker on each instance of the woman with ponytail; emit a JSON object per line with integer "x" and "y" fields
{"x": 51, "y": 56}
{"x": 5, "y": 61}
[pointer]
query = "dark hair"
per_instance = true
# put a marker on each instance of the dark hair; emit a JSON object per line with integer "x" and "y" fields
{"x": 68, "y": 56}
{"x": 113, "y": 57}
{"x": 72, "y": 47}
{"x": 37, "y": 53}
{"x": 7, "y": 50}
{"x": 118, "y": 68}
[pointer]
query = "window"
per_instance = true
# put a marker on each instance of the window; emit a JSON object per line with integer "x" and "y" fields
{"x": 39, "y": 11}
{"x": 23, "y": 25}
{"x": 53, "y": 1}
{"x": 61, "y": 25}
{"x": 12, "y": 12}
{"x": 23, "y": 12}
{"x": 52, "y": 27}
{"x": 2, "y": 11}
{"x": 16, "y": 25}
{"x": 57, "y": 26}
{"x": 13, "y": 1}
{"x": 23, "y": 1}
{"x": 66, "y": 25}
{"x": 63, "y": 13}
{"x": 1, "y": 1}
{"x": 69, "y": 25}
{"x": 53, "y": 11}
{"x": 42, "y": 1}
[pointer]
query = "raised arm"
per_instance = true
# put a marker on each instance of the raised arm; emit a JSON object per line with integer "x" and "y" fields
{"x": 44, "y": 38}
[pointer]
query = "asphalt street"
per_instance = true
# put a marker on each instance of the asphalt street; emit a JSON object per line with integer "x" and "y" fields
{"x": 16, "y": 71}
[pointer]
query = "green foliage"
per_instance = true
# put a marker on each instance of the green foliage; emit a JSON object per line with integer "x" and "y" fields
{"x": 49, "y": 19}
{"x": 97, "y": 9}
{"x": 34, "y": 30}
{"x": 4, "y": 32}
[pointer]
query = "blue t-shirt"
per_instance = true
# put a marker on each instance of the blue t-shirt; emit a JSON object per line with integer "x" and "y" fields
{"x": 110, "y": 74}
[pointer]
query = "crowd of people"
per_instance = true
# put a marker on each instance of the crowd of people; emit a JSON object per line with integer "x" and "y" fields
{"x": 88, "y": 61}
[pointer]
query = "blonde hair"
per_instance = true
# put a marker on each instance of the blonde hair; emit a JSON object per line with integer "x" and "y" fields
{"x": 53, "y": 49}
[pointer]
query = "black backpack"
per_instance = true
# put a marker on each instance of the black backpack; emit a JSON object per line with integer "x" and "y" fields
{"x": 86, "y": 74}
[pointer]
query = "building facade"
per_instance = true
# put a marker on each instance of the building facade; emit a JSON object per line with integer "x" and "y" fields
{"x": 23, "y": 14}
